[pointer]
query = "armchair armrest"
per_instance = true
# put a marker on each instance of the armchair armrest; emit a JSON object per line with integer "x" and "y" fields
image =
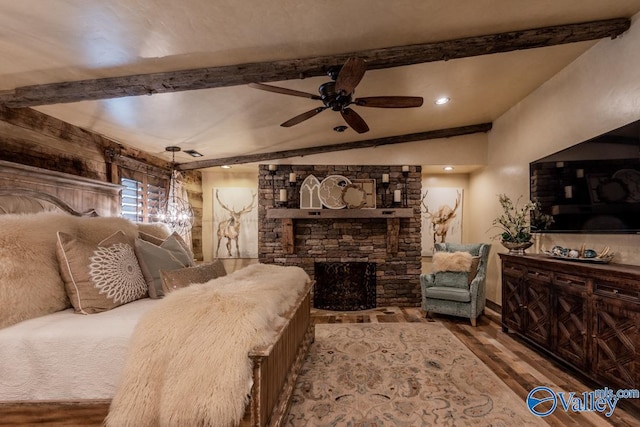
{"x": 474, "y": 286}
{"x": 427, "y": 280}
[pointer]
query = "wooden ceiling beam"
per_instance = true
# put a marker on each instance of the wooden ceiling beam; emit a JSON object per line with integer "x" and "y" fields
{"x": 232, "y": 75}
{"x": 301, "y": 152}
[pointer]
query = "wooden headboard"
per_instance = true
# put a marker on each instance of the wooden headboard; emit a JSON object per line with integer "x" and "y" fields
{"x": 67, "y": 192}
{"x": 20, "y": 201}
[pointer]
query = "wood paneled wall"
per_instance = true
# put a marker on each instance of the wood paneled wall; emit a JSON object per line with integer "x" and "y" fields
{"x": 74, "y": 164}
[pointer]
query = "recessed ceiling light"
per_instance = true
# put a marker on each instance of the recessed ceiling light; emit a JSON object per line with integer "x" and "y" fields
{"x": 448, "y": 168}
{"x": 225, "y": 167}
{"x": 442, "y": 100}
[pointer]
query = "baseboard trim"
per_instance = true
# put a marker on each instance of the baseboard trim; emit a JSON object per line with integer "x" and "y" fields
{"x": 493, "y": 306}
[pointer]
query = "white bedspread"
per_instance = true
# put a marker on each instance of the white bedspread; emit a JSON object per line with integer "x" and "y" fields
{"x": 67, "y": 356}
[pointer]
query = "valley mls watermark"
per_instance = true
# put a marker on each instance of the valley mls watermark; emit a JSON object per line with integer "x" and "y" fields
{"x": 542, "y": 401}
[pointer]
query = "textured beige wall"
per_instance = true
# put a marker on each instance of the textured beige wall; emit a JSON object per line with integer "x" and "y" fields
{"x": 598, "y": 92}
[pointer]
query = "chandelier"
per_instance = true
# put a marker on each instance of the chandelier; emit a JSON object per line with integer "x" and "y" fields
{"x": 176, "y": 212}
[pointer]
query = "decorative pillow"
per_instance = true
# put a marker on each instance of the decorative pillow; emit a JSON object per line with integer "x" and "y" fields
{"x": 102, "y": 276}
{"x": 172, "y": 240}
{"x": 30, "y": 283}
{"x": 176, "y": 279}
{"x": 168, "y": 255}
{"x": 473, "y": 270}
{"x": 159, "y": 230}
{"x": 96, "y": 229}
{"x": 452, "y": 261}
{"x": 452, "y": 269}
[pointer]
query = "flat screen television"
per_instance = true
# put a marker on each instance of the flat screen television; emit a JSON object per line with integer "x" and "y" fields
{"x": 592, "y": 187}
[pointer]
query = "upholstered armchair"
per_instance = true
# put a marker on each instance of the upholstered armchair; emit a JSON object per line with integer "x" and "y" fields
{"x": 461, "y": 292}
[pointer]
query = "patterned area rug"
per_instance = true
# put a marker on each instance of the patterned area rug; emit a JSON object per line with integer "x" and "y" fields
{"x": 401, "y": 374}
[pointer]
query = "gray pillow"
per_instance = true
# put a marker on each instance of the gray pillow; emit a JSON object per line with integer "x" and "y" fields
{"x": 169, "y": 255}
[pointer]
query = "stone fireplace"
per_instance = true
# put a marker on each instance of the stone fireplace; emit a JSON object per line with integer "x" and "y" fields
{"x": 334, "y": 238}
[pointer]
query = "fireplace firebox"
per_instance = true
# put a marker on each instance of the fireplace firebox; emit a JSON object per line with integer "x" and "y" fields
{"x": 344, "y": 286}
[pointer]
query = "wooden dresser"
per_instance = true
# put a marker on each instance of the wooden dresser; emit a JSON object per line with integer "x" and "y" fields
{"x": 585, "y": 314}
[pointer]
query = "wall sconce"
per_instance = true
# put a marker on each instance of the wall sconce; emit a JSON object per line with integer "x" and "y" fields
{"x": 272, "y": 173}
{"x": 293, "y": 182}
{"x": 385, "y": 192}
{"x": 405, "y": 193}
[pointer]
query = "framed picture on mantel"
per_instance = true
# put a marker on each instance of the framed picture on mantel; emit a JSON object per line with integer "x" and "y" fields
{"x": 369, "y": 188}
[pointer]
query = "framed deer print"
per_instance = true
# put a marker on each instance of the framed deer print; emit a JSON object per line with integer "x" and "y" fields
{"x": 235, "y": 222}
{"x": 441, "y": 211}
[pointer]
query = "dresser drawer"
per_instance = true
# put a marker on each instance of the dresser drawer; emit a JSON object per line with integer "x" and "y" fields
{"x": 513, "y": 270}
{"x": 626, "y": 290}
{"x": 539, "y": 275}
{"x": 570, "y": 280}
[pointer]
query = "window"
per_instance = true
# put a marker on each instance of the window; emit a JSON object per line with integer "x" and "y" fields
{"x": 142, "y": 196}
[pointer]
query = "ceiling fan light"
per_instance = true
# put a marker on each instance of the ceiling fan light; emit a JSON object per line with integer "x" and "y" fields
{"x": 442, "y": 100}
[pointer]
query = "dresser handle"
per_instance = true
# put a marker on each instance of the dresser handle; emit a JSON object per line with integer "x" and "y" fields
{"x": 615, "y": 291}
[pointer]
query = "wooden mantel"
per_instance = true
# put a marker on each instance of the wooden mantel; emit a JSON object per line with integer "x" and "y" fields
{"x": 287, "y": 216}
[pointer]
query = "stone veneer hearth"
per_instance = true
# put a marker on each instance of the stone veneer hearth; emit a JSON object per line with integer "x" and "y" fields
{"x": 347, "y": 239}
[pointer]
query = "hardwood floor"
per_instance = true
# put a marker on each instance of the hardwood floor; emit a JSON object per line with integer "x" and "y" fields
{"x": 517, "y": 365}
{"x": 520, "y": 367}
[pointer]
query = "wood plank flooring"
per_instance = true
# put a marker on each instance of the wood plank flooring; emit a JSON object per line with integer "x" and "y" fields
{"x": 518, "y": 366}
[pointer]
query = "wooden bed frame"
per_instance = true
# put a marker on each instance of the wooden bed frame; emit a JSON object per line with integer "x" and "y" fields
{"x": 275, "y": 369}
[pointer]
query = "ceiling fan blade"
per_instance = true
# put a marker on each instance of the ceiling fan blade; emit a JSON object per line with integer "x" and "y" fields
{"x": 302, "y": 117}
{"x": 350, "y": 75}
{"x": 390, "y": 101}
{"x": 283, "y": 90}
{"x": 354, "y": 120}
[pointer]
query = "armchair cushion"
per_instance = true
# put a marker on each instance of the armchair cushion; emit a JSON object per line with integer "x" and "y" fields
{"x": 448, "y": 293}
{"x": 452, "y": 279}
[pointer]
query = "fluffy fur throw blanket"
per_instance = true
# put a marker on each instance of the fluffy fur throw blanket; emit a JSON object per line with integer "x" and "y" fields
{"x": 188, "y": 362}
{"x": 451, "y": 261}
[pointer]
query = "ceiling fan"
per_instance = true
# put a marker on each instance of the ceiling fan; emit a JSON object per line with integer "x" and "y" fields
{"x": 337, "y": 95}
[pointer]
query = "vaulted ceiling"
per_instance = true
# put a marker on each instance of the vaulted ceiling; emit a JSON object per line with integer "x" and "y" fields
{"x": 195, "y": 57}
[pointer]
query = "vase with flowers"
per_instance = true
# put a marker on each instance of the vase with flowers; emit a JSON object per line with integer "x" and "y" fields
{"x": 515, "y": 223}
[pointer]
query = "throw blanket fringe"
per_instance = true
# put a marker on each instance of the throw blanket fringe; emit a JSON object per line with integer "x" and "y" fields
{"x": 188, "y": 361}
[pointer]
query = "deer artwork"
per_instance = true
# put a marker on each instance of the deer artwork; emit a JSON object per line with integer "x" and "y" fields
{"x": 230, "y": 228}
{"x": 441, "y": 219}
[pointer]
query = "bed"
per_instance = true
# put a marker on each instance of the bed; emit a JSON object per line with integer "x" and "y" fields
{"x": 274, "y": 363}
